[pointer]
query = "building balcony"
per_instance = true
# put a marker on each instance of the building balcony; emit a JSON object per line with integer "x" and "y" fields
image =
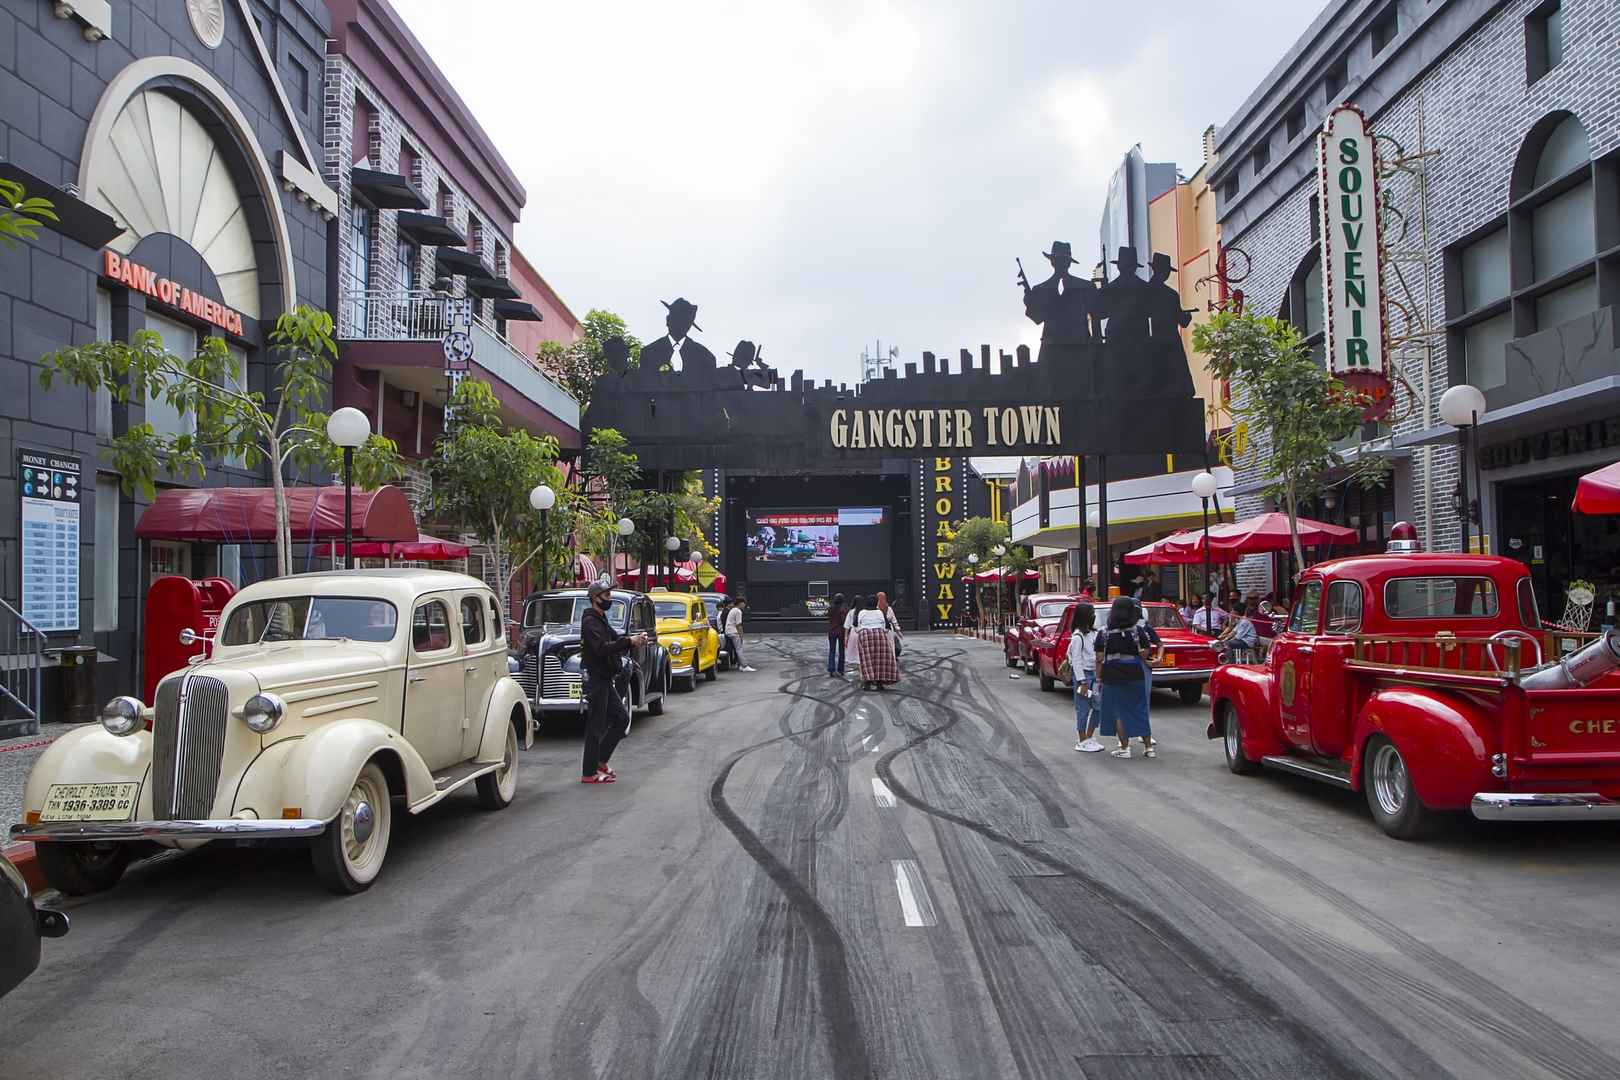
{"x": 400, "y": 335}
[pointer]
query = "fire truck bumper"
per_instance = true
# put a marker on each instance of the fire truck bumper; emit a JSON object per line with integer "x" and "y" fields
{"x": 1564, "y": 806}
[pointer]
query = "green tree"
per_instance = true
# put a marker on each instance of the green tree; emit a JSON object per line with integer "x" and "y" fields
{"x": 231, "y": 422}
{"x": 482, "y": 476}
{"x": 980, "y": 536}
{"x": 1295, "y": 405}
{"x": 579, "y": 365}
{"x": 20, "y": 215}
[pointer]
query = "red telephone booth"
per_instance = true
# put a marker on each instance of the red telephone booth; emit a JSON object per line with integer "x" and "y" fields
{"x": 173, "y": 604}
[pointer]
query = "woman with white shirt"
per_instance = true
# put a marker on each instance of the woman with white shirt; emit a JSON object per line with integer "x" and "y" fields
{"x": 874, "y": 646}
{"x": 1082, "y": 660}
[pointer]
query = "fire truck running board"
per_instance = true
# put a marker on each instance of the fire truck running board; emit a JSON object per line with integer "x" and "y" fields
{"x": 1326, "y": 770}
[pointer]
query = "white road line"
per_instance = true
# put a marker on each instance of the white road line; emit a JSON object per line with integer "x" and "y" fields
{"x": 881, "y": 793}
{"x": 915, "y": 905}
{"x": 868, "y": 741}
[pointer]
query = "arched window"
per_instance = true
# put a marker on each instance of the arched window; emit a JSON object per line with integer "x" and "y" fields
{"x": 1303, "y": 305}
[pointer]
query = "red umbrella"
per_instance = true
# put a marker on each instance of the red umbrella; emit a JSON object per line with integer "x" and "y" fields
{"x": 1599, "y": 492}
{"x": 1268, "y": 532}
{"x": 1177, "y": 549}
{"x": 995, "y": 574}
{"x": 424, "y": 548}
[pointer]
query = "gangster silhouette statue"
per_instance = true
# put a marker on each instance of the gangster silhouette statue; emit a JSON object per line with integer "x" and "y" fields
{"x": 1063, "y": 305}
{"x": 680, "y": 322}
{"x": 749, "y": 362}
{"x": 1166, "y": 317}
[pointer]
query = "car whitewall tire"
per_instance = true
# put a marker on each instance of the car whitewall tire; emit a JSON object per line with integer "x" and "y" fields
{"x": 349, "y": 855}
{"x": 497, "y": 789}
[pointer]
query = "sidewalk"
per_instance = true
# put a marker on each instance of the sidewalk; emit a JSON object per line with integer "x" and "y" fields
{"x": 17, "y": 757}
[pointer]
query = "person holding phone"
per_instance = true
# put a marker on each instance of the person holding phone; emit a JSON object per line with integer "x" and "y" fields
{"x": 601, "y": 650}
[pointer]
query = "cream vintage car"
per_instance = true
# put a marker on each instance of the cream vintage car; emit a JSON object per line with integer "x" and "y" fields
{"x": 331, "y": 702}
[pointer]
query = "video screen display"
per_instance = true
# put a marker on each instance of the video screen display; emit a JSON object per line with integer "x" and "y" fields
{"x": 813, "y": 544}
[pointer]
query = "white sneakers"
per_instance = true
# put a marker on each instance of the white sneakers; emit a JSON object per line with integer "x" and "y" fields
{"x": 745, "y": 667}
{"x": 1089, "y": 746}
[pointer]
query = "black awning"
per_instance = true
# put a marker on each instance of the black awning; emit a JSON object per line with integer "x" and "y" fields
{"x": 386, "y": 190}
{"x": 462, "y": 262}
{"x": 517, "y": 311}
{"x": 75, "y": 217}
{"x": 493, "y": 287}
{"x": 430, "y": 230}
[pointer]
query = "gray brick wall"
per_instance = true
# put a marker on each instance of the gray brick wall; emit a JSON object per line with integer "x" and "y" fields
{"x": 1476, "y": 112}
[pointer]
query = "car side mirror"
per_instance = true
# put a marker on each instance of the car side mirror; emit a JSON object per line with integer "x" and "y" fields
{"x": 188, "y": 636}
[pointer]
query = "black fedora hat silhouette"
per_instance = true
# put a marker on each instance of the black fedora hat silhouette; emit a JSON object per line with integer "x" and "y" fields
{"x": 746, "y": 353}
{"x": 1161, "y": 261}
{"x": 1060, "y": 250}
{"x": 1127, "y": 258}
{"x": 682, "y": 308}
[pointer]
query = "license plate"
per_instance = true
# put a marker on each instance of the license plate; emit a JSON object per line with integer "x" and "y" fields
{"x": 575, "y": 691}
{"x": 1168, "y": 661}
{"x": 90, "y": 802}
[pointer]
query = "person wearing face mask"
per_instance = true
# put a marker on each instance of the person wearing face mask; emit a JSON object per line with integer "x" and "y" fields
{"x": 601, "y": 650}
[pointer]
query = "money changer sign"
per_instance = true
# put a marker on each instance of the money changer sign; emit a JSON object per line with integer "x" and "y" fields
{"x": 1353, "y": 290}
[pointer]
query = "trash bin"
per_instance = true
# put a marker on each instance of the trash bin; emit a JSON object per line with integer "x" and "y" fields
{"x": 78, "y": 679}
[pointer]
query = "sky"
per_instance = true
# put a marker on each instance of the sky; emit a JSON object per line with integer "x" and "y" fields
{"x": 819, "y": 175}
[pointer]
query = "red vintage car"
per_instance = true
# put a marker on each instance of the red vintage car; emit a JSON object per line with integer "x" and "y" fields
{"x": 1036, "y": 612}
{"x": 1428, "y": 683}
{"x": 1188, "y": 660}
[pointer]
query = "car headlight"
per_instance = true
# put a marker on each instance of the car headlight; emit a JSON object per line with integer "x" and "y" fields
{"x": 263, "y": 712}
{"x": 675, "y": 648}
{"x": 513, "y": 666}
{"x": 122, "y": 716}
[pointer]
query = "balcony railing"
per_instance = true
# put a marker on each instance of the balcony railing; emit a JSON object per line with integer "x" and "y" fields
{"x": 419, "y": 315}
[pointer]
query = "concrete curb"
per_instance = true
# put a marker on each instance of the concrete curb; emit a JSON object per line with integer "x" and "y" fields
{"x": 21, "y": 856}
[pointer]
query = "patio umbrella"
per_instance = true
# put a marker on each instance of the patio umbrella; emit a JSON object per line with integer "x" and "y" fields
{"x": 1257, "y": 535}
{"x": 994, "y": 574}
{"x": 424, "y": 548}
{"x": 1178, "y": 549}
{"x": 1599, "y": 492}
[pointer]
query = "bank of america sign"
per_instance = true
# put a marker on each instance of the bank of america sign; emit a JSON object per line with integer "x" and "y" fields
{"x": 1352, "y": 283}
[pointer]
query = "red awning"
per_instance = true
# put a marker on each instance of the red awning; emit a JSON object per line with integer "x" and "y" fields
{"x": 1177, "y": 549}
{"x": 1599, "y": 492}
{"x": 424, "y": 548}
{"x": 229, "y": 515}
{"x": 1268, "y": 532}
{"x": 991, "y": 575}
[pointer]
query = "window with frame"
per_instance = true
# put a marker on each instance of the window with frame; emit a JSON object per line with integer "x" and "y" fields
{"x": 472, "y": 620}
{"x": 1229, "y": 190}
{"x": 300, "y": 82}
{"x": 1336, "y": 79}
{"x": 1442, "y": 596}
{"x": 1529, "y": 613}
{"x": 1543, "y": 40}
{"x": 1307, "y": 609}
{"x": 1385, "y": 29}
{"x": 360, "y": 148}
{"x": 1295, "y": 122}
{"x": 105, "y": 579}
{"x": 1343, "y": 608}
{"x": 181, "y": 340}
{"x": 406, "y": 257}
{"x": 430, "y": 627}
{"x": 103, "y": 402}
{"x": 356, "y": 267}
{"x": 1260, "y": 158}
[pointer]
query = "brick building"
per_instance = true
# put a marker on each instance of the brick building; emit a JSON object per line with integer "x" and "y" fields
{"x": 1498, "y": 125}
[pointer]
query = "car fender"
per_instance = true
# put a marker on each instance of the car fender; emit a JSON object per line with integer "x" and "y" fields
{"x": 506, "y": 696}
{"x": 1445, "y": 739}
{"x": 92, "y": 755}
{"x": 315, "y": 773}
{"x": 1250, "y": 691}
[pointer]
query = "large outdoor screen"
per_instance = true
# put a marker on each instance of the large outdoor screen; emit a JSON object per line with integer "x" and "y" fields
{"x": 810, "y": 544}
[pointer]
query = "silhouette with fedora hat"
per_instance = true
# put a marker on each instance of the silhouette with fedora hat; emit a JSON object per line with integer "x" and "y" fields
{"x": 1063, "y": 305}
{"x": 744, "y": 358}
{"x": 1123, "y": 302}
{"x": 680, "y": 322}
{"x": 1166, "y": 317}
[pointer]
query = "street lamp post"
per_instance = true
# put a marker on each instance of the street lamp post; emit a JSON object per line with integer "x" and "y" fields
{"x": 348, "y": 428}
{"x": 672, "y": 544}
{"x": 1204, "y": 485}
{"x": 543, "y": 499}
{"x": 1000, "y": 552}
{"x": 973, "y": 590}
{"x": 1461, "y": 407}
{"x": 624, "y": 527}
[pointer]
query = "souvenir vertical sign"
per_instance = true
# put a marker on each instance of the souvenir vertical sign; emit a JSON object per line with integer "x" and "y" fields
{"x": 1352, "y": 279}
{"x": 49, "y": 489}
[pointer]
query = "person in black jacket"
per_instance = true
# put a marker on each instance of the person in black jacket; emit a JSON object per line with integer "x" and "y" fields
{"x": 835, "y": 636}
{"x": 601, "y": 648}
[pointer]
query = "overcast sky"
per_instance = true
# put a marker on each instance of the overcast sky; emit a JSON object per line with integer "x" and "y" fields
{"x": 817, "y": 174}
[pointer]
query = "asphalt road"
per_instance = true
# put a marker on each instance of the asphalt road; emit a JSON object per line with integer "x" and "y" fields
{"x": 794, "y": 878}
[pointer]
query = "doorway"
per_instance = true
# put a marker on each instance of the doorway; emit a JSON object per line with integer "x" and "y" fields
{"x": 1536, "y": 526}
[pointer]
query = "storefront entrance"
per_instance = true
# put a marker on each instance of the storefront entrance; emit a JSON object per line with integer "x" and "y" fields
{"x": 1536, "y": 526}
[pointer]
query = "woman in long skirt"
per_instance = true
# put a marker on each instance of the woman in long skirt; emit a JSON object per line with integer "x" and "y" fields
{"x": 1122, "y": 651}
{"x": 874, "y": 646}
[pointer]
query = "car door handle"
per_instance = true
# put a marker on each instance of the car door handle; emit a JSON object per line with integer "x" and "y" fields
{"x": 470, "y": 668}
{"x": 418, "y": 678}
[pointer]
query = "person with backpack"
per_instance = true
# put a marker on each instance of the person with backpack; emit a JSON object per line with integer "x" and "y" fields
{"x": 1124, "y": 651}
{"x": 835, "y": 636}
{"x": 1082, "y": 664}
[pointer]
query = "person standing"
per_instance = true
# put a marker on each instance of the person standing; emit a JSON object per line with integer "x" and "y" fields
{"x": 606, "y": 719}
{"x": 835, "y": 636}
{"x": 1122, "y": 649}
{"x": 1082, "y": 660}
{"x": 734, "y": 621}
{"x": 856, "y": 606}
{"x": 875, "y": 647}
{"x": 720, "y": 615}
{"x": 891, "y": 620}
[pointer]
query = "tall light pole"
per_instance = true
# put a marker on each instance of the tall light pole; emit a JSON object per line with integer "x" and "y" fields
{"x": 1000, "y": 552}
{"x": 348, "y": 428}
{"x": 1461, "y": 407}
{"x": 672, "y": 544}
{"x": 1204, "y": 485}
{"x": 623, "y": 527}
{"x": 543, "y": 499}
{"x": 973, "y": 587}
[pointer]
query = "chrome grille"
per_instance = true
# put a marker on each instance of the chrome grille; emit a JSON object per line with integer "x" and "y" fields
{"x": 554, "y": 681}
{"x": 188, "y": 742}
{"x": 527, "y": 676}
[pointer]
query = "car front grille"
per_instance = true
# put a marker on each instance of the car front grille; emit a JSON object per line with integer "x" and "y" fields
{"x": 188, "y": 743}
{"x": 528, "y": 675}
{"x": 554, "y": 681}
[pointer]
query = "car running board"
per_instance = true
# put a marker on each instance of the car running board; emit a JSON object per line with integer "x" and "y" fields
{"x": 1323, "y": 769}
{"x": 453, "y": 780}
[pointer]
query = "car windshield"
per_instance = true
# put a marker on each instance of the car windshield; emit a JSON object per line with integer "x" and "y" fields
{"x": 672, "y": 609}
{"x": 1164, "y": 618}
{"x": 1051, "y": 609}
{"x": 565, "y": 611}
{"x": 310, "y": 618}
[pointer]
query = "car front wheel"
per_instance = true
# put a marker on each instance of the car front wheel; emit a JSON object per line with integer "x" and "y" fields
{"x": 349, "y": 855}
{"x": 1391, "y": 796}
{"x": 1191, "y": 693}
{"x": 82, "y": 869}
{"x": 709, "y": 675}
{"x": 1012, "y": 661}
{"x": 496, "y": 789}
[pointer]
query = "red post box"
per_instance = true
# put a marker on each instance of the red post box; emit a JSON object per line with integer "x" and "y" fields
{"x": 173, "y": 604}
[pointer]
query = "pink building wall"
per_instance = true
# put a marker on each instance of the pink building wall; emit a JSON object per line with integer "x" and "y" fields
{"x": 560, "y": 324}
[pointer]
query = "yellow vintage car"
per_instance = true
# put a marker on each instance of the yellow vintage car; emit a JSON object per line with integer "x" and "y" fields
{"x": 683, "y": 629}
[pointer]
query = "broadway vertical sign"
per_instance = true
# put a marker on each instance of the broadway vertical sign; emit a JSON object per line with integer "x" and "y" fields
{"x": 1352, "y": 283}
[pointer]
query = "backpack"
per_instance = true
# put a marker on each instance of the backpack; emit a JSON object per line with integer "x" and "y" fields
{"x": 1119, "y": 657}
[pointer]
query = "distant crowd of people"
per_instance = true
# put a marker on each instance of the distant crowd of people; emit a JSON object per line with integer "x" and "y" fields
{"x": 875, "y": 630}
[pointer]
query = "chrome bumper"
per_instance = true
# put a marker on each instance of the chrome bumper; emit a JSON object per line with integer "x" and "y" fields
{"x": 687, "y": 670}
{"x": 1565, "y": 806}
{"x": 1166, "y": 676}
{"x": 57, "y": 832}
{"x": 557, "y": 704}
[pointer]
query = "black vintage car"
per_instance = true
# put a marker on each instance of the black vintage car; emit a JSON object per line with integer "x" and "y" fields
{"x": 21, "y": 927}
{"x": 547, "y": 660}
